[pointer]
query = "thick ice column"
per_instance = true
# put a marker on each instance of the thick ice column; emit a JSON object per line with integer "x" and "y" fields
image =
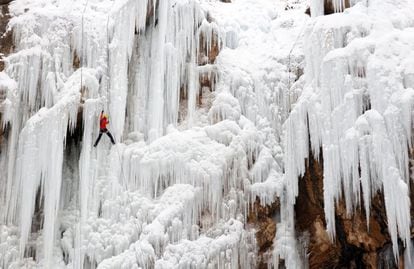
{"x": 164, "y": 64}
{"x": 317, "y": 8}
{"x": 339, "y": 5}
{"x": 193, "y": 88}
{"x": 118, "y": 84}
{"x": 90, "y": 114}
{"x": 11, "y": 116}
{"x": 128, "y": 17}
{"x": 39, "y": 164}
{"x": 28, "y": 174}
{"x": 172, "y": 86}
{"x": 157, "y": 84}
{"x": 53, "y": 155}
{"x": 91, "y": 110}
{"x": 285, "y": 239}
{"x": 139, "y": 88}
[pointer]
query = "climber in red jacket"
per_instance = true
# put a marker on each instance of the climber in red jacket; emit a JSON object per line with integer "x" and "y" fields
{"x": 103, "y": 122}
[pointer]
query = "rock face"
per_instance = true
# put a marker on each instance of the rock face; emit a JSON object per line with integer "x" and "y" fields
{"x": 6, "y": 47}
{"x": 206, "y": 58}
{"x": 208, "y": 55}
{"x": 5, "y": 2}
{"x": 6, "y": 38}
{"x": 355, "y": 246}
{"x": 310, "y": 218}
{"x": 329, "y": 7}
{"x": 263, "y": 219}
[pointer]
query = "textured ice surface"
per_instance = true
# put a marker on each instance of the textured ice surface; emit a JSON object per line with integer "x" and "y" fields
{"x": 175, "y": 194}
{"x": 175, "y": 191}
{"x": 356, "y": 108}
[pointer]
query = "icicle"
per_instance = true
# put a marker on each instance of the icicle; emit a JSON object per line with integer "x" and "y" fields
{"x": 363, "y": 151}
{"x": 156, "y": 98}
{"x": 317, "y": 7}
{"x": 339, "y": 5}
{"x": 39, "y": 164}
{"x": 193, "y": 88}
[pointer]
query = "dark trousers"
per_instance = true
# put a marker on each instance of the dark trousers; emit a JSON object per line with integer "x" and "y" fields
{"x": 101, "y": 131}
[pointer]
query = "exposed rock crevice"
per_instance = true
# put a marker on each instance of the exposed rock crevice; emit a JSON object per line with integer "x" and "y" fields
{"x": 329, "y": 7}
{"x": 355, "y": 245}
{"x": 263, "y": 218}
{"x": 6, "y": 37}
{"x": 6, "y": 47}
{"x": 5, "y": 2}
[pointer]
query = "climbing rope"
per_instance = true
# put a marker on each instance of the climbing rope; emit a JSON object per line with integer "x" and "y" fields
{"x": 284, "y": 233}
{"x": 108, "y": 86}
{"x": 82, "y": 34}
{"x": 108, "y": 83}
{"x": 81, "y": 89}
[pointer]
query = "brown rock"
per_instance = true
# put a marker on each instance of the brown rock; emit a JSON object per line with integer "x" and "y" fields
{"x": 6, "y": 47}
{"x": 1, "y": 132}
{"x": 356, "y": 231}
{"x": 205, "y": 55}
{"x": 206, "y": 80}
{"x": 76, "y": 61}
{"x": 265, "y": 234}
{"x": 356, "y": 245}
{"x": 151, "y": 13}
{"x": 328, "y": 7}
{"x": 262, "y": 218}
{"x": 370, "y": 260}
{"x": 6, "y": 37}
{"x": 310, "y": 217}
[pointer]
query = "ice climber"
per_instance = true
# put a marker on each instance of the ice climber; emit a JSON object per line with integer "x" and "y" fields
{"x": 103, "y": 122}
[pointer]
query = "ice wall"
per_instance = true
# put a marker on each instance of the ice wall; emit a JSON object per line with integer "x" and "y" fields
{"x": 163, "y": 66}
{"x": 134, "y": 59}
{"x": 175, "y": 191}
{"x": 356, "y": 108}
{"x": 259, "y": 81}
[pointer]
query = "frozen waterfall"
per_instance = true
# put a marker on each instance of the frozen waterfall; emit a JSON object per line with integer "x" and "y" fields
{"x": 218, "y": 110}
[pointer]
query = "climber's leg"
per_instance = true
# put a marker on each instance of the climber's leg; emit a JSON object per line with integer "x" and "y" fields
{"x": 99, "y": 138}
{"x": 110, "y": 137}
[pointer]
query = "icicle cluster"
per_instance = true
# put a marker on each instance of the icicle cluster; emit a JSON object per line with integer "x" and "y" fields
{"x": 134, "y": 59}
{"x": 317, "y": 7}
{"x": 356, "y": 108}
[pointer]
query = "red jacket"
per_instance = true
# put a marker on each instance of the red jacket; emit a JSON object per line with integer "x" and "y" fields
{"x": 103, "y": 121}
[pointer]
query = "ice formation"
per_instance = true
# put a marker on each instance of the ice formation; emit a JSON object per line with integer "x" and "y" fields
{"x": 356, "y": 108}
{"x": 192, "y": 156}
{"x": 317, "y": 7}
{"x": 176, "y": 192}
